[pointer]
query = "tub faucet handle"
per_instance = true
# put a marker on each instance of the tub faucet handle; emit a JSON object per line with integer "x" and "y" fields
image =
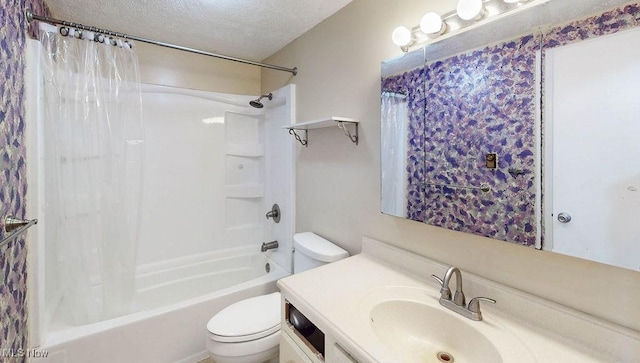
{"x": 274, "y": 213}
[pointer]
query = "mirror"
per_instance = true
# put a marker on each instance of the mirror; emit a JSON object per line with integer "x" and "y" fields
{"x": 462, "y": 119}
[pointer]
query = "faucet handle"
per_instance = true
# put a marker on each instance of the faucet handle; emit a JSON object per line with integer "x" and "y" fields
{"x": 474, "y": 304}
{"x": 445, "y": 293}
{"x": 438, "y": 279}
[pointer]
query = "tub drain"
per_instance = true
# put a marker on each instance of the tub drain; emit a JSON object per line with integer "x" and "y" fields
{"x": 267, "y": 267}
{"x": 445, "y": 357}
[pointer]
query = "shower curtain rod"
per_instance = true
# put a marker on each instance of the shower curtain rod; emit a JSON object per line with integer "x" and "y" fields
{"x": 31, "y": 16}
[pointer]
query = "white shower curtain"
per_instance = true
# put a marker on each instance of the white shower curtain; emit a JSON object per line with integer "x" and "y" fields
{"x": 93, "y": 147}
{"x": 394, "y": 154}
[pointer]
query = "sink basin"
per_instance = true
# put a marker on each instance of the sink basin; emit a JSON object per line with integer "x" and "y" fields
{"x": 429, "y": 334}
{"x": 412, "y": 324}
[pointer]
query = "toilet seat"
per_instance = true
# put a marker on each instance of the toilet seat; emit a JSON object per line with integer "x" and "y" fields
{"x": 246, "y": 320}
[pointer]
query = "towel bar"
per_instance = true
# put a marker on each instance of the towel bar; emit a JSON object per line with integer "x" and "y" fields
{"x": 15, "y": 226}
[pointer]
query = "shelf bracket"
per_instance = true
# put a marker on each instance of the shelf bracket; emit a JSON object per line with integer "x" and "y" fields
{"x": 304, "y": 141}
{"x": 353, "y": 137}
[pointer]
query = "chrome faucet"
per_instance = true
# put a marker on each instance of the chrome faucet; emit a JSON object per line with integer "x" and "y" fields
{"x": 472, "y": 311}
{"x": 269, "y": 246}
{"x": 458, "y": 297}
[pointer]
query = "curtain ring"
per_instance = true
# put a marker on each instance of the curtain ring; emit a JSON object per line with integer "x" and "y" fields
{"x": 64, "y": 31}
{"x": 126, "y": 41}
{"x": 78, "y": 34}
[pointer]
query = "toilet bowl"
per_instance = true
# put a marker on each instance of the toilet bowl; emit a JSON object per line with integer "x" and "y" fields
{"x": 248, "y": 331}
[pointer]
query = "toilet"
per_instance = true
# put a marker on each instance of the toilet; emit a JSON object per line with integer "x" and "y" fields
{"x": 248, "y": 331}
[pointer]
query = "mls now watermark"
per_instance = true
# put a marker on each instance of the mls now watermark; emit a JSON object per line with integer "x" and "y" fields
{"x": 19, "y": 353}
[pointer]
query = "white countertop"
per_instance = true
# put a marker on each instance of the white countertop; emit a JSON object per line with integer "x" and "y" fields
{"x": 334, "y": 298}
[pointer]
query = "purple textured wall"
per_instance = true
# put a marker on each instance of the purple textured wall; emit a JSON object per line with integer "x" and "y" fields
{"x": 13, "y": 184}
{"x": 477, "y": 103}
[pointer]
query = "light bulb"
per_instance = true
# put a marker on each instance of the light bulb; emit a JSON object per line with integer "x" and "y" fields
{"x": 401, "y": 36}
{"x": 432, "y": 24}
{"x": 470, "y": 9}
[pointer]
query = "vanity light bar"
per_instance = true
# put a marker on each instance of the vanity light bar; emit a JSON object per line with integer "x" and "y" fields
{"x": 468, "y": 14}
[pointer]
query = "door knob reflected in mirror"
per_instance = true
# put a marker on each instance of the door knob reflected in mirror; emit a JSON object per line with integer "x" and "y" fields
{"x": 564, "y": 217}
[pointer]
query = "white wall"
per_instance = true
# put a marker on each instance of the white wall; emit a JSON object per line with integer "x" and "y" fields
{"x": 170, "y": 67}
{"x": 338, "y": 187}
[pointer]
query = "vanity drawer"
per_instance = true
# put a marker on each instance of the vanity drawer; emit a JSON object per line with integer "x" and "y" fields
{"x": 341, "y": 356}
{"x": 290, "y": 352}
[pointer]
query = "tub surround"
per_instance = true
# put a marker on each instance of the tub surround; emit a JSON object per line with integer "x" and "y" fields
{"x": 548, "y": 331}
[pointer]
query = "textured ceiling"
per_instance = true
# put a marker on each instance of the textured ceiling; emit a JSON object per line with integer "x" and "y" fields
{"x": 251, "y": 29}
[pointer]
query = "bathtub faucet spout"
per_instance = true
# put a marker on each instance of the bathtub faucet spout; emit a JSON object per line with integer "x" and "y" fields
{"x": 269, "y": 246}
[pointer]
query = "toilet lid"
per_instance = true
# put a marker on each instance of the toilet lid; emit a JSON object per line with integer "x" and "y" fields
{"x": 246, "y": 320}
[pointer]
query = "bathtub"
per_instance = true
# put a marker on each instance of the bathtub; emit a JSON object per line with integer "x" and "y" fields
{"x": 173, "y": 303}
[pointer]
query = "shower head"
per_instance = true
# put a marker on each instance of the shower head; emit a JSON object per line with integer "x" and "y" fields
{"x": 257, "y": 103}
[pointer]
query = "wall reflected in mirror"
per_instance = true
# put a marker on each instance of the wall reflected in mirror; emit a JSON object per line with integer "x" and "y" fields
{"x": 467, "y": 125}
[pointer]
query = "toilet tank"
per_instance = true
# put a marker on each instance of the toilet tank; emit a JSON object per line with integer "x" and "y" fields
{"x": 312, "y": 251}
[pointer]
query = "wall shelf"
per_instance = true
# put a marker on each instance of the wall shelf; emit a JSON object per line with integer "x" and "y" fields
{"x": 343, "y": 123}
{"x": 247, "y": 150}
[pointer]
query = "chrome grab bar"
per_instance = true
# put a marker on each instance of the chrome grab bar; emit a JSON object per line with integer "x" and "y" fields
{"x": 15, "y": 226}
{"x": 484, "y": 187}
